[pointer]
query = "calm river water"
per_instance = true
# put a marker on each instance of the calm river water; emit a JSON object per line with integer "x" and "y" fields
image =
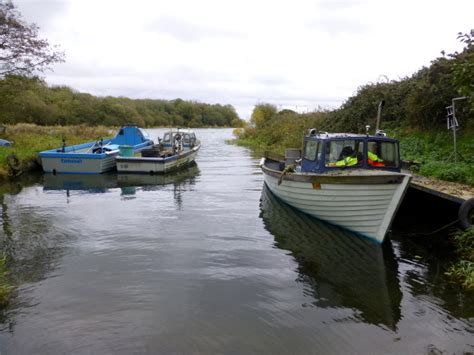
{"x": 206, "y": 261}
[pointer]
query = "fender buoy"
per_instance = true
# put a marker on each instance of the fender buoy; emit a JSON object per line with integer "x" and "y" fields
{"x": 466, "y": 214}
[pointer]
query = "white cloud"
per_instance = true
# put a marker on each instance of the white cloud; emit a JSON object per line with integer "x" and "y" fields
{"x": 302, "y": 53}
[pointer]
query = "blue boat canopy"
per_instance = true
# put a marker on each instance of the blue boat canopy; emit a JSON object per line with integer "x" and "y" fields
{"x": 130, "y": 135}
{"x": 323, "y": 152}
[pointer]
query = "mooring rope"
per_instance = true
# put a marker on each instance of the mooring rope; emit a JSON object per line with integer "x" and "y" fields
{"x": 435, "y": 231}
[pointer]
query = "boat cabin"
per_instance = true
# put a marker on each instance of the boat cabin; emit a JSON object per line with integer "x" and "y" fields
{"x": 324, "y": 152}
{"x": 185, "y": 137}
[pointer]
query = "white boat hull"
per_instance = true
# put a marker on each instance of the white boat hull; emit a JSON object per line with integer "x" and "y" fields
{"x": 364, "y": 208}
{"x": 155, "y": 165}
{"x": 82, "y": 165}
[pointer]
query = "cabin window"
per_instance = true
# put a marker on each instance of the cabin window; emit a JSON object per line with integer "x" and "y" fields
{"x": 310, "y": 150}
{"x": 320, "y": 153}
{"x": 166, "y": 138}
{"x": 383, "y": 154}
{"x": 344, "y": 153}
{"x": 186, "y": 139}
{"x": 144, "y": 133}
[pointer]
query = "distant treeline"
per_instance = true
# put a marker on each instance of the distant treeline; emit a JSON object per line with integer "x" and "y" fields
{"x": 31, "y": 100}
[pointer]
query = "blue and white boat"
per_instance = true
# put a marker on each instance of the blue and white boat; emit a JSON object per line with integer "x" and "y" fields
{"x": 94, "y": 157}
{"x": 350, "y": 180}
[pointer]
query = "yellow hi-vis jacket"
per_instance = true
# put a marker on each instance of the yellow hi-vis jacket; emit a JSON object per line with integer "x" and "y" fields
{"x": 374, "y": 157}
{"x": 347, "y": 161}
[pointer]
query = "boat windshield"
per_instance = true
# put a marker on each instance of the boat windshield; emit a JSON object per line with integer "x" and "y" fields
{"x": 343, "y": 153}
{"x": 189, "y": 138}
{"x": 169, "y": 136}
{"x": 144, "y": 133}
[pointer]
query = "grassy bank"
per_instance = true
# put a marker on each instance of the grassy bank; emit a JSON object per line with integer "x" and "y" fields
{"x": 30, "y": 139}
{"x": 434, "y": 153}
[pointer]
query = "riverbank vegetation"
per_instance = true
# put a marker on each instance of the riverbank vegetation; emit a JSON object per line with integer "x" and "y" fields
{"x": 463, "y": 269}
{"x": 31, "y": 100}
{"x": 433, "y": 152}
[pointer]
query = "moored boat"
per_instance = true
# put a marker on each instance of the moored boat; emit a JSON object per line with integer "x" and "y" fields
{"x": 177, "y": 149}
{"x": 350, "y": 180}
{"x": 93, "y": 157}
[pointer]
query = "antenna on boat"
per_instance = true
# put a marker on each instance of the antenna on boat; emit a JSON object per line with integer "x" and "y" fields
{"x": 378, "y": 131}
{"x": 379, "y": 115}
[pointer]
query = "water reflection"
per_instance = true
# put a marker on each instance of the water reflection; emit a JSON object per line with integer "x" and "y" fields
{"x": 339, "y": 268}
{"x": 424, "y": 264}
{"x": 35, "y": 240}
{"x": 129, "y": 184}
{"x": 31, "y": 258}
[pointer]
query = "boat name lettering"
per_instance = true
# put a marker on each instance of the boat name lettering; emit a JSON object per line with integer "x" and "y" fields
{"x": 71, "y": 161}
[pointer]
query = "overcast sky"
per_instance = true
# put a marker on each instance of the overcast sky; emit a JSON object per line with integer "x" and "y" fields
{"x": 294, "y": 54}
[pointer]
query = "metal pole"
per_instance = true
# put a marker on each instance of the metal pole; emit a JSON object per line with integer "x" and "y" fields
{"x": 379, "y": 114}
{"x": 454, "y": 133}
{"x": 454, "y": 127}
{"x": 455, "y": 145}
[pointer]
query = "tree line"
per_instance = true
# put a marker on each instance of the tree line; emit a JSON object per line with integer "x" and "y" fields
{"x": 31, "y": 100}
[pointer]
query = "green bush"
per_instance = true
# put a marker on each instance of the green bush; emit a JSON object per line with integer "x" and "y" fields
{"x": 463, "y": 270}
{"x": 459, "y": 172}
